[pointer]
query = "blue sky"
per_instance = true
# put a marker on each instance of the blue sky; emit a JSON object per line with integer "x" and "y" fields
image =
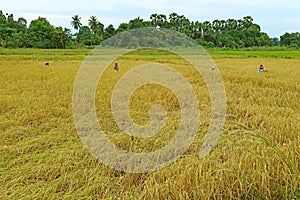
{"x": 274, "y": 16}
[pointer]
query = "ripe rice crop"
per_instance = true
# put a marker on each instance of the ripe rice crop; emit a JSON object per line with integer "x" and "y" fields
{"x": 256, "y": 157}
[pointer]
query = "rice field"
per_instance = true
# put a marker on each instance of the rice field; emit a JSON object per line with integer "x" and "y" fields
{"x": 256, "y": 157}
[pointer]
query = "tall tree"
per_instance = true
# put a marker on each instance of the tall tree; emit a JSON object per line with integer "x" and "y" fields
{"x": 247, "y": 21}
{"x": 154, "y": 20}
{"x": 109, "y": 31}
{"x": 41, "y": 32}
{"x": 85, "y": 35}
{"x": 2, "y": 19}
{"x": 60, "y": 38}
{"x": 290, "y": 39}
{"x": 136, "y": 23}
{"x": 161, "y": 20}
{"x": 264, "y": 40}
{"x": 198, "y": 29}
{"x": 93, "y": 23}
{"x": 76, "y": 22}
{"x": 231, "y": 24}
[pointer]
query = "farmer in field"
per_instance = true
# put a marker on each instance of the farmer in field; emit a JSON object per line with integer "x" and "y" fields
{"x": 116, "y": 67}
{"x": 261, "y": 68}
{"x": 47, "y": 64}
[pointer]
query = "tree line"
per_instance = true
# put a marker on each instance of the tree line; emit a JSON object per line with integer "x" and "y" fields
{"x": 230, "y": 33}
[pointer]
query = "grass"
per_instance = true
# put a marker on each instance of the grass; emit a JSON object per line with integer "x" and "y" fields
{"x": 42, "y": 54}
{"x": 286, "y": 54}
{"x": 257, "y": 156}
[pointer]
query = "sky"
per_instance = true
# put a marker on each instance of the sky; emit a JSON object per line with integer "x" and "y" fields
{"x": 274, "y": 16}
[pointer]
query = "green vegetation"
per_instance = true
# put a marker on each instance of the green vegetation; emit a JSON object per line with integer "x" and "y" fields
{"x": 39, "y": 34}
{"x": 257, "y": 156}
{"x": 20, "y": 55}
{"x": 230, "y": 33}
{"x": 255, "y": 53}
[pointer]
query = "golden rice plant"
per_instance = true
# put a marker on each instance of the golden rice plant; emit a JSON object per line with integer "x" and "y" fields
{"x": 42, "y": 157}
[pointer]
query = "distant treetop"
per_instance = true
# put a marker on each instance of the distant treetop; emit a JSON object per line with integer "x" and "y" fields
{"x": 229, "y": 33}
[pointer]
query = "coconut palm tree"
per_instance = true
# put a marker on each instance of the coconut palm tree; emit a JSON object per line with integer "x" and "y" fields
{"x": 161, "y": 20}
{"x": 93, "y": 23}
{"x": 231, "y": 24}
{"x": 174, "y": 21}
{"x": 76, "y": 22}
{"x": 153, "y": 19}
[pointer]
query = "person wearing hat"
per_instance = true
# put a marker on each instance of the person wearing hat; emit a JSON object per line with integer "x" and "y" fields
{"x": 261, "y": 68}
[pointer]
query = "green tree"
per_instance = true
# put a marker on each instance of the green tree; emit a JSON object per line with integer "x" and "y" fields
{"x": 174, "y": 21}
{"x": 85, "y": 36}
{"x": 136, "y": 23}
{"x": 10, "y": 19}
{"x": 208, "y": 34}
{"x": 231, "y": 25}
{"x": 41, "y": 32}
{"x": 264, "y": 40}
{"x": 247, "y": 22}
{"x": 290, "y": 39}
{"x": 198, "y": 30}
{"x": 22, "y": 21}
{"x": 154, "y": 20}
{"x": 295, "y": 39}
{"x": 285, "y": 39}
{"x": 161, "y": 20}
{"x": 93, "y": 23}
{"x": 5, "y": 34}
{"x": 100, "y": 28}
{"x": 109, "y": 31}
{"x": 76, "y": 22}
{"x": 216, "y": 26}
{"x": 2, "y": 19}
{"x": 122, "y": 27}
